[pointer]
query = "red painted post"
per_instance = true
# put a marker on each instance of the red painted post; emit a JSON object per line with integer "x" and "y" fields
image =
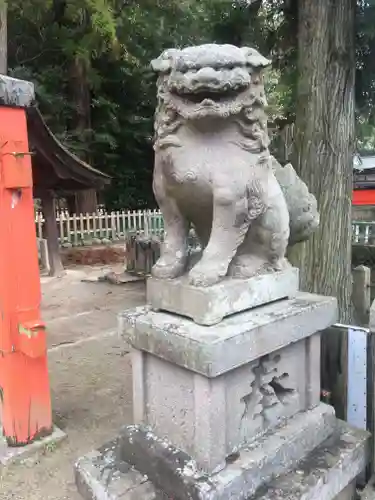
{"x": 25, "y": 405}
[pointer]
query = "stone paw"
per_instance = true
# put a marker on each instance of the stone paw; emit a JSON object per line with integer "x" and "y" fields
{"x": 245, "y": 267}
{"x": 168, "y": 268}
{"x": 282, "y": 265}
{"x": 202, "y": 275}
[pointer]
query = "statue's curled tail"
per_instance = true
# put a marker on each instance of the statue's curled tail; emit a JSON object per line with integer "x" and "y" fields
{"x": 302, "y": 205}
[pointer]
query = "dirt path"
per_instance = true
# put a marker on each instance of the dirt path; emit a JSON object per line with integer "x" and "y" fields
{"x": 90, "y": 377}
{"x": 75, "y": 310}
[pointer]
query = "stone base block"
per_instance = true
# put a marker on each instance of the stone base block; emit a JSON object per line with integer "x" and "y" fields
{"x": 209, "y": 305}
{"x": 323, "y": 474}
{"x": 369, "y": 492}
{"x": 11, "y": 455}
{"x": 243, "y": 403}
{"x": 100, "y": 475}
{"x": 244, "y": 376}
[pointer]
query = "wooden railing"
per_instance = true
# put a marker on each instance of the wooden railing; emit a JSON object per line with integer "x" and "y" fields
{"x": 76, "y": 229}
{"x": 363, "y": 232}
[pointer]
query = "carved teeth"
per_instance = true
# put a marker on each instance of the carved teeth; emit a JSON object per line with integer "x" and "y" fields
{"x": 208, "y": 102}
{"x": 209, "y": 79}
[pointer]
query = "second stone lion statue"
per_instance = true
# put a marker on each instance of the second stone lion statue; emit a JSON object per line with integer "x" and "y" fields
{"x": 213, "y": 169}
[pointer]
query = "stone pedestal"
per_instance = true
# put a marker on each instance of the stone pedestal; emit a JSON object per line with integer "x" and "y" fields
{"x": 222, "y": 411}
{"x": 209, "y": 305}
{"x": 243, "y": 376}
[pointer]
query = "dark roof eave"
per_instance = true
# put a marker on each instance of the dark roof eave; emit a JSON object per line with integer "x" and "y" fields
{"x": 65, "y": 164}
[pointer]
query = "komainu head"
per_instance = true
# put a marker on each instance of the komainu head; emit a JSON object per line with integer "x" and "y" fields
{"x": 209, "y": 80}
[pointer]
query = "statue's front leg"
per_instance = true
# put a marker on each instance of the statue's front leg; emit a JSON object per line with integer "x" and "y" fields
{"x": 174, "y": 251}
{"x": 231, "y": 220}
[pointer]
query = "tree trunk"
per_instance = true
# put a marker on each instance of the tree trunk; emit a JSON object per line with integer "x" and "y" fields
{"x": 324, "y": 143}
{"x": 86, "y": 201}
{"x": 3, "y": 38}
{"x": 71, "y": 203}
{"x": 80, "y": 93}
{"x": 49, "y": 212}
{"x": 282, "y": 144}
{"x": 80, "y": 90}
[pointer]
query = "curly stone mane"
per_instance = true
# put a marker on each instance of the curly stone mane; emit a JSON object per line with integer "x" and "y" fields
{"x": 247, "y": 111}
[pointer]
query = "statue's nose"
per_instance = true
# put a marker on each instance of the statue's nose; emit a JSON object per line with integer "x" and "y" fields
{"x": 206, "y": 75}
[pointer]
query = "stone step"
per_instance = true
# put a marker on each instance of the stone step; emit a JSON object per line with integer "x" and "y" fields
{"x": 327, "y": 473}
{"x": 107, "y": 475}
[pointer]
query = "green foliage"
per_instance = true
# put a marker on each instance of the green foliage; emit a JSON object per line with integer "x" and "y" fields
{"x": 365, "y": 84}
{"x": 90, "y": 61}
{"x": 112, "y": 42}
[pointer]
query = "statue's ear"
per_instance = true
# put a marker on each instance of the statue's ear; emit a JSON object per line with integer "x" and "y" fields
{"x": 254, "y": 58}
{"x": 163, "y": 63}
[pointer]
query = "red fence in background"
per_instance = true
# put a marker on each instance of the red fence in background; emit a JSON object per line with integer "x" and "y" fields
{"x": 364, "y": 197}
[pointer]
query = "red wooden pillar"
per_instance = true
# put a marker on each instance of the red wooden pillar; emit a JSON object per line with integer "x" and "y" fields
{"x": 25, "y": 406}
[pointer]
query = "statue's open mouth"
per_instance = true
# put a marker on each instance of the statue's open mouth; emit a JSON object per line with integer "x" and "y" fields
{"x": 208, "y": 83}
{"x": 207, "y": 98}
{"x": 207, "y": 91}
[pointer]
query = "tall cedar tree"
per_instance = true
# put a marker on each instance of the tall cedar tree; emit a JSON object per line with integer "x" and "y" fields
{"x": 325, "y": 141}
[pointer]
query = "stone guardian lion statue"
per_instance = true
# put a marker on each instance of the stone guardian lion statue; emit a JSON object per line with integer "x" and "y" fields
{"x": 213, "y": 169}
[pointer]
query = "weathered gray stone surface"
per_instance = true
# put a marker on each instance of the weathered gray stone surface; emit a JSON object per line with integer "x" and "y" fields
{"x": 369, "y": 492}
{"x": 102, "y": 475}
{"x": 243, "y": 403}
{"x": 372, "y": 317}
{"x": 213, "y": 168}
{"x": 14, "y": 92}
{"x": 209, "y": 305}
{"x": 322, "y": 475}
{"x": 10, "y": 455}
{"x": 349, "y": 493}
{"x": 237, "y": 340}
{"x": 173, "y": 470}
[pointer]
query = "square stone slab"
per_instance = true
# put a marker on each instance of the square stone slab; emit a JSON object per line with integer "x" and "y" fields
{"x": 209, "y": 305}
{"x": 237, "y": 340}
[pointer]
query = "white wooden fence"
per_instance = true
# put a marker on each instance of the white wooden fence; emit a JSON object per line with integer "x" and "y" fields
{"x": 76, "y": 229}
{"x": 363, "y": 232}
